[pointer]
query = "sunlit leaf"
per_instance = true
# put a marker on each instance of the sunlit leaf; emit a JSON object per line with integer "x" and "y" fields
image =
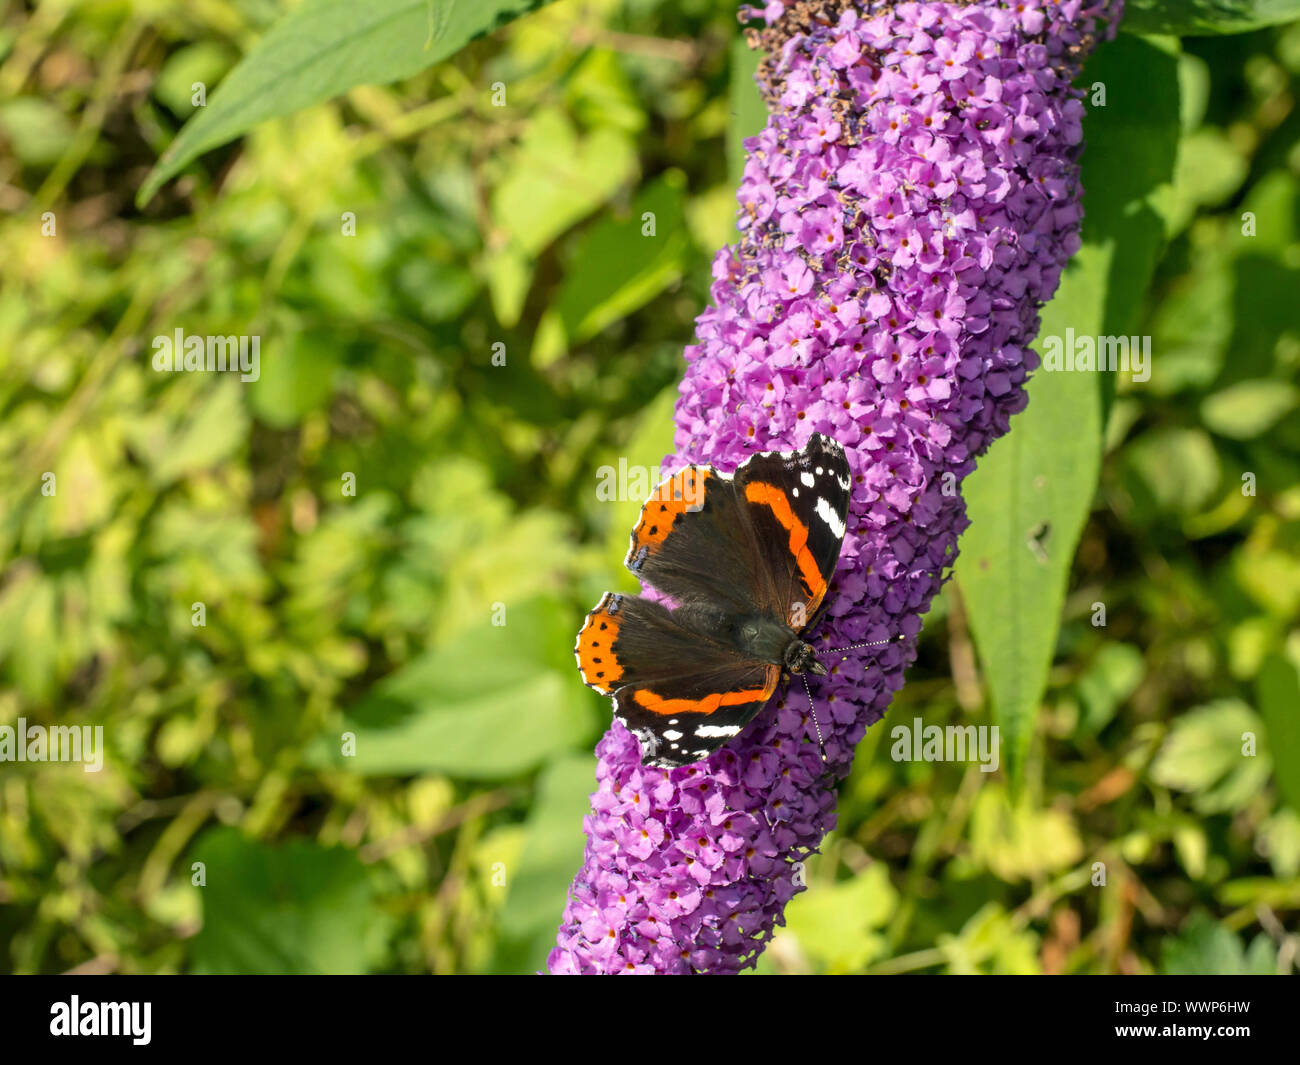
{"x": 1278, "y": 688}
{"x": 323, "y": 48}
{"x": 1206, "y": 16}
{"x": 497, "y": 701}
{"x": 1205, "y": 947}
{"x": 1032, "y": 492}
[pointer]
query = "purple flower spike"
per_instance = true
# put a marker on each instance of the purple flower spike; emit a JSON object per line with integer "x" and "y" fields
{"x": 908, "y": 208}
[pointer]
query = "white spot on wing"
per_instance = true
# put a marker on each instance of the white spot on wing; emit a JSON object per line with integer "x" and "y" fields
{"x": 708, "y": 732}
{"x": 832, "y": 520}
{"x": 649, "y": 742}
{"x": 672, "y": 734}
{"x": 808, "y": 479}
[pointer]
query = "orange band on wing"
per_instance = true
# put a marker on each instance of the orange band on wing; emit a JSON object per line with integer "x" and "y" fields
{"x": 596, "y": 660}
{"x": 679, "y": 494}
{"x": 657, "y": 704}
{"x": 770, "y": 496}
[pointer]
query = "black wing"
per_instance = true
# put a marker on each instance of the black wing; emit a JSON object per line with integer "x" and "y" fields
{"x": 694, "y": 544}
{"x": 682, "y": 692}
{"x": 797, "y": 505}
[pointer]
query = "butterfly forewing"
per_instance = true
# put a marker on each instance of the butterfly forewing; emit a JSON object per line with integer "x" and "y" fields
{"x": 692, "y": 543}
{"x": 797, "y": 505}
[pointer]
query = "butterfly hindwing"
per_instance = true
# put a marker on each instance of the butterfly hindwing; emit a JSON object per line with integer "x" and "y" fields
{"x": 630, "y": 640}
{"x": 682, "y": 692}
{"x": 797, "y": 505}
{"x": 680, "y": 720}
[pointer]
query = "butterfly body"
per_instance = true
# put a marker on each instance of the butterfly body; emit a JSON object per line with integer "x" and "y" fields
{"x": 744, "y": 561}
{"x": 758, "y": 637}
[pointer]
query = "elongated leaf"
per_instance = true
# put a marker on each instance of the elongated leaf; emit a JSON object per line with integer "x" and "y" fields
{"x": 1027, "y": 504}
{"x": 1278, "y": 692}
{"x": 552, "y": 851}
{"x": 748, "y": 112}
{"x": 322, "y": 49}
{"x": 1031, "y": 494}
{"x": 1205, "y": 17}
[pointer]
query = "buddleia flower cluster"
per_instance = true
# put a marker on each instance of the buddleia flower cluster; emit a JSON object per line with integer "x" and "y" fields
{"x": 905, "y": 213}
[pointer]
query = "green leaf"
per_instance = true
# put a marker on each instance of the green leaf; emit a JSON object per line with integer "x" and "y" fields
{"x": 1206, "y": 948}
{"x": 209, "y": 428}
{"x": 838, "y": 925}
{"x": 440, "y": 290}
{"x": 1113, "y": 676}
{"x": 992, "y": 941}
{"x": 647, "y": 447}
{"x": 1032, "y": 492}
{"x": 1210, "y": 169}
{"x": 1016, "y": 839}
{"x": 1206, "y": 754}
{"x": 1129, "y": 168}
{"x": 296, "y": 376}
{"x": 599, "y": 93}
{"x": 1190, "y": 18}
{"x": 1027, "y": 503}
{"x": 556, "y": 178}
{"x": 294, "y": 908}
{"x": 1278, "y": 693}
{"x": 1191, "y": 325}
{"x": 509, "y": 274}
{"x": 37, "y": 131}
{"x": 552, "y": 853}
{"x": 618, "y": 267}
{"x": 1278, "y": 839}
{"x": 205, "y": 62}
{"x": 748, "y": 111}
{"x": 495, "y": 702}
{"x": 1179, "y": 468}
{"x": 1250, "y": 408}
{"x": 323, "y": 48}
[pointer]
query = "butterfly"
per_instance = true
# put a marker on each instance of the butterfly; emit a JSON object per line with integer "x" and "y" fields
{"x": 745, "y": 559}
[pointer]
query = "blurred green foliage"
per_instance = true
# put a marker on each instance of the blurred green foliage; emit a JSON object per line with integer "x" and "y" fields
{"x": 352, "y": 765}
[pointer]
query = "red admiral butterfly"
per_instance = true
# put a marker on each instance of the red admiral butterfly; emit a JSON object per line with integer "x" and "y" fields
{"x": 745, "y": 558}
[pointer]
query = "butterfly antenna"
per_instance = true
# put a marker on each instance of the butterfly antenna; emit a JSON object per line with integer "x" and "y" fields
{"x": 873, "y": 643}
{"x": 813, "y": 710}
